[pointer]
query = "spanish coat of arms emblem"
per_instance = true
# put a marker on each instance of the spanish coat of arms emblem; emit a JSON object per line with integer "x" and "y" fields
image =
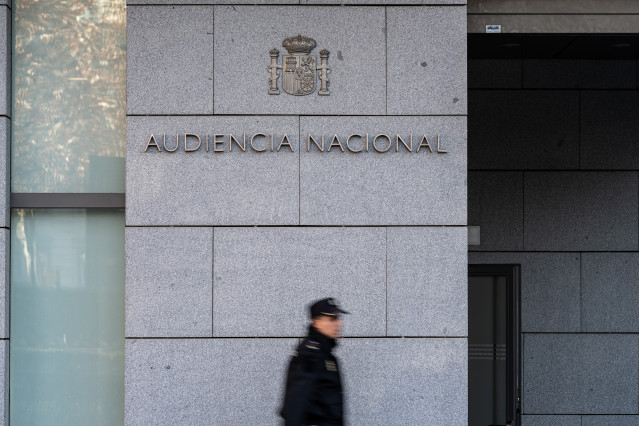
{"x": 299, "y": 68}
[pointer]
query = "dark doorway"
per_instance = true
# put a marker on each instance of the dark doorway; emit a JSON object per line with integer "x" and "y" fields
{"x": 493, "y": 345}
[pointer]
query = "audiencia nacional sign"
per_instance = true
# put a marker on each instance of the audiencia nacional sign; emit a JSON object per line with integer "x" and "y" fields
{"x": 299, "y": 71}
{"x": 325, "y": 142}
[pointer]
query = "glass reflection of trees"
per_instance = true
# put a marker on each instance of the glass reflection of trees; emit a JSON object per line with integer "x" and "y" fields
{"x": 69, "y": 89}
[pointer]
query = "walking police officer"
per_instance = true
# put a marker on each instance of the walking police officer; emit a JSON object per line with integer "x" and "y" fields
{"x": 313, "y": 385}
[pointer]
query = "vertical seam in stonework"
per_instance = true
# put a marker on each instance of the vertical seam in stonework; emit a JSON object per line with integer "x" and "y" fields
{"x": 579, "y": 129}
{"x": 521, "y": 67}
{"x": 212, "y": 280}
{"x": 523, "y": 375}
{"x": 523, "y": 211}
{"x": 299, "y": 170}
{"x": 386, "y": 53}
{"x": 386, "y": 273}
{"x": 213, "y": 62}
{"x": 581, "y": 303}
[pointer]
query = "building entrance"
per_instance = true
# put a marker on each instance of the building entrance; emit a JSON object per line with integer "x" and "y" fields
{"x": 493, "y": 345}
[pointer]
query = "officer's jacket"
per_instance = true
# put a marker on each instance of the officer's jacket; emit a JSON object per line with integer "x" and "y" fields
{"x": 313, "y": 385}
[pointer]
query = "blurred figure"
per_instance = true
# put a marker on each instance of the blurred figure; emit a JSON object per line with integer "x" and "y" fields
{"x": 313, "y": 385}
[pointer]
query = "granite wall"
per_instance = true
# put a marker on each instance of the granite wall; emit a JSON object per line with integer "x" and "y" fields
{"x": 5, "y": 189}
{"x": 226, "y": 246}
{"x": 553, "y": 183}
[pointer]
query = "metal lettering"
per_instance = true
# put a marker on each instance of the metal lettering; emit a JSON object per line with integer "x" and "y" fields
{"x": 308, "y": 143}
{"x": 348, "y": 146}
{"x": 288, "y": 143}
{"x": 217, "y": 142}
{"x": 177, "y": 143}
{"x": 335, "y": 138}
{"x": 253, "y": 138}
{"x": 155, "y": 144}
{"x": 438, "y": 150}
{"x": 399, "y": 139}
{"x": 186, "y": 145}
{"x": 390, "y": 142}
{"x": 427, "y": 145}
{"x": 232, "y": 139}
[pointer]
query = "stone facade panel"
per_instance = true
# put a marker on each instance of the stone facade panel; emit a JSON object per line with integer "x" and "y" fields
{"x": 496, "y": 205}
{"x": 168, "y": 288}
{"x": 580, "y": 373}
{"x": 405, "y": 381}
{"x": 610, "y": 292}
{"x": 170, "y": 60}
{"x": 354, "y": 36}
{"x": 275, "y": 273}
{"x": 427, "y": 60}
{"x": 550, "y": 289}
{"x": 213, "y": 188}
{"x": 205, "y": 381}
{"x": 396, "y": 187}
{"x": 427, "y": 281}
{"x": 581, "y": 211}
{"x": 523, "y": 130}
{"x": 609, "y": 130}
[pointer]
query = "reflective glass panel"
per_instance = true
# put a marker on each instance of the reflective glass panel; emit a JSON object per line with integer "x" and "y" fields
{"x": 69, "y": 88}
{"x": 67, "y": 317}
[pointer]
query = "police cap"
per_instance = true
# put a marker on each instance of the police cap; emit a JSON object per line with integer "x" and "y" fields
{"x": 327, "y": 307}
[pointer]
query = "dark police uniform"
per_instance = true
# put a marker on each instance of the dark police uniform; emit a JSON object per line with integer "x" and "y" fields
{"x": 313, "y": 384}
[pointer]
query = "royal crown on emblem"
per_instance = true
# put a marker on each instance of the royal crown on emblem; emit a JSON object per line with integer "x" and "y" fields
{"x": 299, "y": 45}
{"x": 299, "y": 69}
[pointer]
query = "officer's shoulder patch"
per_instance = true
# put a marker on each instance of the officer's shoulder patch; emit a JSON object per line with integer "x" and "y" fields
{"x": 311, "y": 344}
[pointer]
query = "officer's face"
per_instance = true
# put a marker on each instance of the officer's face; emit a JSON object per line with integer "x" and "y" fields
{"x": 328, "y": 326}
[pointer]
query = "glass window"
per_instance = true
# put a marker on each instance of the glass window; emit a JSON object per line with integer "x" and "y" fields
{"x": 67, "y": 317}
{"x": 69, "y": 94}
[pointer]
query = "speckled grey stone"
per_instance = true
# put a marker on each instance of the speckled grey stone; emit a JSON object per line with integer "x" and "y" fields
{"x": 4, "y": 387}
{"x": 610, "y": 421}
{"x": 494, "y": 74}
{"x": 5, "y": 175}
{"x": 496, "y": 205}
{"x": 205, "y": 381}
{"x": 384, "y": 2}
{"x": 207, "y": 188}
{"x": 427, "y": 281}
{"x": 5, "y": 302}
{"x": 427, "y": 60}
{"x": 581, "y": 373}
{"x": 204, "y": 2}
{"x": 168, "y": 282}
{"x": 391, "y": 188}
{"x": 354, "y": 36}
{"x": 550, "y": 288}
{"x": 609, "y": 129}
{"x": 523, "y": 130}
{"x": 169, "y": 60}
{"x": 579, "y": 73}
{"x": 580, "y": 211}
{"x": 610, "y": 292}
{"x": 5, "y": 61}
{"x": 275, "y": 273}
{"x": 405, "y": 381}
{"x": 552, "y": 7}
{"x": 550, "y": 420}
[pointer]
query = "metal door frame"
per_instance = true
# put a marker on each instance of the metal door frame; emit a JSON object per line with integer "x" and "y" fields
{"x": 512, "y": 273}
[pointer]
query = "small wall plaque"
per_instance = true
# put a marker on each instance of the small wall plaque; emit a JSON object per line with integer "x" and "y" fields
{"x": 493, "y": 28}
